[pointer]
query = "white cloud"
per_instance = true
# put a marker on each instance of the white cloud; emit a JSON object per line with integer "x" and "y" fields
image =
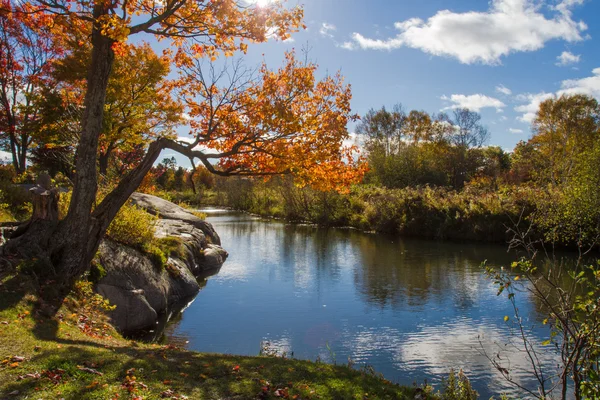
{"x": 474, "y": 102}
{"x": 326, "y": 29}
{"x": 348, "y": 46}
{"x": 533, "y": 104}
{"x": 504, "y": 90}
{"x": 483, "y": 37}
{"x": 567, "y": 58}
{"x": 589, "y": 86}
{"x": 354, "y": 139}
{"x": 516, "y": 131}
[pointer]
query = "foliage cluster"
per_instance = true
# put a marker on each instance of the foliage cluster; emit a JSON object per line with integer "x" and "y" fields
{"x": 14, "y": 200}
{"x": 569, "y": 295}
{"x": 132, "y": 226}
{"x": 457, "y": 387}
{"x": 430, "y": 212}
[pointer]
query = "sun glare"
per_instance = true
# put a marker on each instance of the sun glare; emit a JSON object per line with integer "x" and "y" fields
{"x": 262, "y": 3}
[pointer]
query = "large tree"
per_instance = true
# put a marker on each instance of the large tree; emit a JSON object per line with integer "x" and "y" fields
{"x": 564, "y": 128}
{"x": 27, "y": 49}
{"x": 285, "y": 121}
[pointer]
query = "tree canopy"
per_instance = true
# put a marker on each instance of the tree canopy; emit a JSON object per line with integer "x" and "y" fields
{"x": 277, "y": 121}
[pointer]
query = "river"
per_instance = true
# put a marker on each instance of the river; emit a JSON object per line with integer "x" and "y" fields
{"x": 411, "y": 309}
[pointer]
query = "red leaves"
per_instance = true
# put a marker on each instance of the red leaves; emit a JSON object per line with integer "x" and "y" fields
{"x": 55, "y": 375}
{"x": 131, "y": 384}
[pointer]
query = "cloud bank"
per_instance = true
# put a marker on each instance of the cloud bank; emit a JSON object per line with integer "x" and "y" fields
{"x": 509, "y": 26}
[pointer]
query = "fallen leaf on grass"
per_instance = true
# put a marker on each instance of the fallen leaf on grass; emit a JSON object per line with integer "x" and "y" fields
{"x": 92, "y": 385}
{"x": 90, "y": 370}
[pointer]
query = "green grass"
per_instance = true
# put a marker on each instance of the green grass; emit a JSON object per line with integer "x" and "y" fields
{"x": 60, "y": 356}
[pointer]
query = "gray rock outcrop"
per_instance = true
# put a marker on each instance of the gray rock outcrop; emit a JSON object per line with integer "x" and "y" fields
{"x": 166, "y": 210}
{"x": 144, "y": 293}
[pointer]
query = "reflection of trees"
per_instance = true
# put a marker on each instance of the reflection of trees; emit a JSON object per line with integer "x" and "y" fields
{"x": 290, "y": 251}
{"x": 399, "y": 272}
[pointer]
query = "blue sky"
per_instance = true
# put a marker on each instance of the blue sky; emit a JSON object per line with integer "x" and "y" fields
{"x": 500, "y": 57}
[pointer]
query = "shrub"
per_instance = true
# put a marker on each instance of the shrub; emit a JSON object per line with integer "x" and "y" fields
{"x": 458, "y": 387}
{"x": 156, "y": 255}
{"x": 132, "y": 226}
{"x": 97, "y": 272}
{"x": 171, "y": 246}
{"x": 15, "y": 203}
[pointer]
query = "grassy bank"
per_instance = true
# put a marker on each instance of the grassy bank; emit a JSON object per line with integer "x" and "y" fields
{"x": 77, "y": 355}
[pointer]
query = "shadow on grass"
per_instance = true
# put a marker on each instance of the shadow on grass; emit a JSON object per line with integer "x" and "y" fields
{"x": 197, "y": 375}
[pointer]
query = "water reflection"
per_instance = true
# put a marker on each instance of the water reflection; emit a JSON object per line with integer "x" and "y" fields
{"x": 412, "y": 309}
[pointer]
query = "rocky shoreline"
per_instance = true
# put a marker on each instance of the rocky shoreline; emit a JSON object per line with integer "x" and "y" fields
{"x": 144, "y": 295}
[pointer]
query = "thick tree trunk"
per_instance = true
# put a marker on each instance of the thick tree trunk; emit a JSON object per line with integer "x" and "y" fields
{"x": 68, "y": 247}
{"x": 71, "y": 254}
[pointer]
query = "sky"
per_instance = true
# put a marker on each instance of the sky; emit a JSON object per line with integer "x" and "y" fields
{"x": 500, "y": 57}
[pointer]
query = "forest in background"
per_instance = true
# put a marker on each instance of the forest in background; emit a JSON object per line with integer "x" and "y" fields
{"x": 434, "y": 176}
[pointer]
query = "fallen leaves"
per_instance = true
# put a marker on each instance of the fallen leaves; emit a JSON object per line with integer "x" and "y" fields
{"x": 34, "y": 375}
{"x": 13, "y": 362}
{"x": 89, "y": 370}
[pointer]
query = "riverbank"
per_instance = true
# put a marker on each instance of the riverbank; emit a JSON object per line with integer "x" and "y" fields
{"x": 427, "y": 212}
{"x": 77, "y": 354}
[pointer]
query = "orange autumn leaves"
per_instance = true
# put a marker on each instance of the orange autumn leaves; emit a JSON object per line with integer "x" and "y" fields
{"x": 284, "y": 121}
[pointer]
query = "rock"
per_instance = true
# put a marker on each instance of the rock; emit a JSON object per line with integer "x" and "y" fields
{"x": 167, "y": 210}
{"x": 144, "y": 293}
{"x": 213, "y": 257}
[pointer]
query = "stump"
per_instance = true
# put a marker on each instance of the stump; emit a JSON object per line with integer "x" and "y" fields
{"x": 44, "y": 199}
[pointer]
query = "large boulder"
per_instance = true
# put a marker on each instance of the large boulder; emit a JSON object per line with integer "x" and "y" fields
{"x": 167, "y": 210}
{"x": 144, "y": 293}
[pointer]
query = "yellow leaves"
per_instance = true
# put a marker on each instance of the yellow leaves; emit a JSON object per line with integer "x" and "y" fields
{"x": 112, "y": 26}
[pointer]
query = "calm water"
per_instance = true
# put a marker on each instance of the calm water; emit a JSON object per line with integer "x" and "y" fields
{"x": 411, "y": 309}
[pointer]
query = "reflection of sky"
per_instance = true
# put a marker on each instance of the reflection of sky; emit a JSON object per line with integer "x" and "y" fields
{"x": 432, "y": 350}
{"x": 411, "y": 309}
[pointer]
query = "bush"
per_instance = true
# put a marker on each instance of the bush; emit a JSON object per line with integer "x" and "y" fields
{"x": 132, "y": 226}
{"x": 15, "y": 203}
{"x": 458, "y": 387}
{"x": 156, "y": 255}
{"x": 171, "y": 246}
